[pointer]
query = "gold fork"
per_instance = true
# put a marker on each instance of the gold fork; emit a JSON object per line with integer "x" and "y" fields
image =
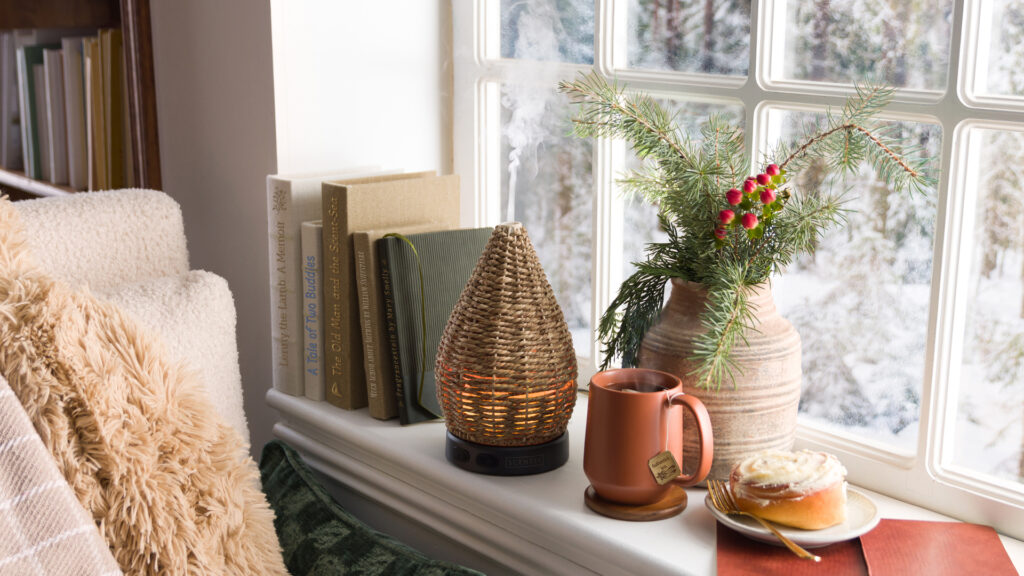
{"x": 721, "y": 498}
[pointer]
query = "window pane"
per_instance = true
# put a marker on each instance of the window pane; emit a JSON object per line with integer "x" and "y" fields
{"x": 549, "y": 179}
{"x": 903, "y": 43}
{"x": 989, "y": 430}
{"x": 860, "y": 302}
{"x": 551, "y": 30}
{"x": 708, "y": 36}
{"x": 1006, "y": 49}
{"x": 641, "y": 218}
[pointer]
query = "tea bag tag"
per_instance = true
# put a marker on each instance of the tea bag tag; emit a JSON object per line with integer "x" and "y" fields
{"x": 664, "y": 467}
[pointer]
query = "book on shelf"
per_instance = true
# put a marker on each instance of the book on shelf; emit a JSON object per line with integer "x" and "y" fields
{"x": 130, "y": 152}
{"x": 380, "y": 383}
{"x": 10, "y": 124}
{"x": 417, "y": 314}
{"x": 57, "y": 149}
{"x": 95, "y": 123}
{"x": 367, "y": 204}
{"x": 112, "y": 84}
{"x": 291, "y": 200}
{"x": 42, "y": 131}
{"x": 312, "y": 310}
{"x": 24, "y": 102}
{"x": 31, "y": 90}
{"x": 74, "y": 112}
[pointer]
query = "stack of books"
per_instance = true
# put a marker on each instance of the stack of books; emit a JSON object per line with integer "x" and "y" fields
{"x": 63, "y": 107}
{"x": 365, "y": 268}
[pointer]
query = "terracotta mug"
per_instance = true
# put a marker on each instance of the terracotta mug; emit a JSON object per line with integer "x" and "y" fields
{"x": 633, "y": 415}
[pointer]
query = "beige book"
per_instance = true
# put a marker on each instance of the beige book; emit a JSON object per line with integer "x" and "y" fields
{"x": 366, "y": 204}
{"x": 95, "y": 122}
{"x": 380, "y": 382}
{"x": 291, "y": 200}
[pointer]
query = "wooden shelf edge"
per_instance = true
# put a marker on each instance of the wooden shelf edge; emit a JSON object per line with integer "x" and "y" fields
{"x": 22, "y": 183}
{"x": 59, "y": 14}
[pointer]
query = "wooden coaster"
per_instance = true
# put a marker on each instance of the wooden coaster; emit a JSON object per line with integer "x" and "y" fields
{"x": 672, "y": 504}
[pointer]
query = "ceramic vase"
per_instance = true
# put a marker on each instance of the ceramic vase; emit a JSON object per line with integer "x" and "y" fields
{"x": 758, "y": 410}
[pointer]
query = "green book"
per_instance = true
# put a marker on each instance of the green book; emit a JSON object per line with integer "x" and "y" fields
{"x": 447, "y": 259}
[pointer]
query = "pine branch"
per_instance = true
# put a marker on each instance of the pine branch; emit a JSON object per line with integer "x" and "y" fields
{"x": 634, "y": 311}
{"x": 606, "y": 112}
{"x": 727, "y": 316}
{"x": 848, "y": 129}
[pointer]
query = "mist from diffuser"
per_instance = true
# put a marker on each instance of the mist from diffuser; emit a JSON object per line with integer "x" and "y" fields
{"x": 506, "y": 368}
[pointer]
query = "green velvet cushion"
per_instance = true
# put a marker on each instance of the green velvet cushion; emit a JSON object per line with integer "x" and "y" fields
{"x": 319, "y": 538}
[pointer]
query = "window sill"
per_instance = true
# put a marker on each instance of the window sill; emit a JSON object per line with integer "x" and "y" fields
{"x": 528, "y": 524}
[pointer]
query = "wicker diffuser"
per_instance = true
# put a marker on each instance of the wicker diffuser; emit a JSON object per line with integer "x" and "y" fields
{"x": 506, "y": 368}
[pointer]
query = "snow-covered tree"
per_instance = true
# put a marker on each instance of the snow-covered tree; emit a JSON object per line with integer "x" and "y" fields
{"x": 710, "y": 36}
{"x": 899, "y": 42}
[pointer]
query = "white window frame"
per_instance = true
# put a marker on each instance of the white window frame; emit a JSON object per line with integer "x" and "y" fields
{"x": 927, "y": 477}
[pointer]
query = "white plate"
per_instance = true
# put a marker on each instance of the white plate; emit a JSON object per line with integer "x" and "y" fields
{"x": 861, "y": 517}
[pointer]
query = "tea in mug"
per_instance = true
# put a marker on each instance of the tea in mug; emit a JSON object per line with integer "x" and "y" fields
{"x": 636, "y": 387}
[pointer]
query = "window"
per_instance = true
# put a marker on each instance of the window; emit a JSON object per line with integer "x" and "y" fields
{"x": 912, "y": 317}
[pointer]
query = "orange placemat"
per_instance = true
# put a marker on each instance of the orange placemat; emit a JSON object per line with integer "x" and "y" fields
{"x": 893, "y": 548}
{"x": 741, "y": 556}
{"x": 900, "y": 547}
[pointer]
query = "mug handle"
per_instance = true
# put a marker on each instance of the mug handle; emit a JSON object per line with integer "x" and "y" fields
{"x": 704, "y": 437}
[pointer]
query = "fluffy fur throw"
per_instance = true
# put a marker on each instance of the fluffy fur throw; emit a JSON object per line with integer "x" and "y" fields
{"x": 170, "y": 486}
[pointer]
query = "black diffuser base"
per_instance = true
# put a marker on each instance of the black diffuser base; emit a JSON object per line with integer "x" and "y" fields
{"x": 507, "y": 460}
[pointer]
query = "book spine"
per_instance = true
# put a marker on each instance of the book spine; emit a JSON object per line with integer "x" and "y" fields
{"x": 312, "y": 310}
{"x": 53, "y": 68}
{"x": 23, "y": 112}
{"x": 74, "y": 104}
{"x": 388, "y": 302}
{"x": 113, "y": 113}
{"x": 10, "y": 141}
{"x": 361, "y": 251}
{"x": 90, "y": 119}
{"x": 287, "y": 371}
{"x": 333, "y": 316}
{"x": 40, "y": 125}
{"x": 96, "y": 121}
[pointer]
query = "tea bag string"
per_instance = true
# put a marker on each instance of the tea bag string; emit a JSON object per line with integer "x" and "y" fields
{"x": 665, "y": 421}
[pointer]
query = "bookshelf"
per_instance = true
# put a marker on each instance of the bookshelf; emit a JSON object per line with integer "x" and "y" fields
{"x": 133, "y": 18}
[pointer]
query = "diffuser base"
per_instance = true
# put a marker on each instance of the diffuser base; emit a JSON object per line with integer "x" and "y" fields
{"x": 507, "y": 460}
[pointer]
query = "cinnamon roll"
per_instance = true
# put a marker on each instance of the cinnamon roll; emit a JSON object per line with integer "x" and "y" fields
{"x": 802, "y": 489}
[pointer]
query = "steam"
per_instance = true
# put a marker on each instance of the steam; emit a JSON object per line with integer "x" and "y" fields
{"x": 528, "y": 91}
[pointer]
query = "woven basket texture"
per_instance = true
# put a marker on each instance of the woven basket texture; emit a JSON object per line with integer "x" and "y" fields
{"x": 506, "y": 368}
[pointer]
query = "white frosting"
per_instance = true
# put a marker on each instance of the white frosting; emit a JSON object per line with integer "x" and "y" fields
{"x": 802, "y": 472}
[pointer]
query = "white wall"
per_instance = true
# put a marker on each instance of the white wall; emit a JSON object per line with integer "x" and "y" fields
{"x": 356, "y": 83}
{"x": 362, "y": 83}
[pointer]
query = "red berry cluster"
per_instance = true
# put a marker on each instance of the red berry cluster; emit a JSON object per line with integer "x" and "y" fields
{"x": 755, "y": 205}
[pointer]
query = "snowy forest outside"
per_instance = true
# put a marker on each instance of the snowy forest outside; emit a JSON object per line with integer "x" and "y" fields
{"x": 861, "y": 302}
